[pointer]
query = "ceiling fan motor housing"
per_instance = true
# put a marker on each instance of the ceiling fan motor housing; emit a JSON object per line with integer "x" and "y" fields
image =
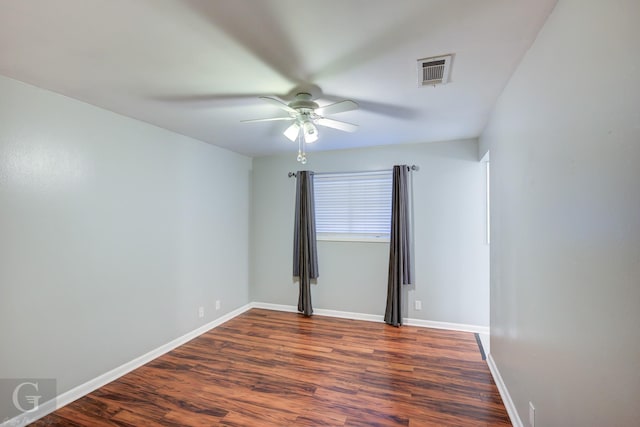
{"x": 303, "y": 103}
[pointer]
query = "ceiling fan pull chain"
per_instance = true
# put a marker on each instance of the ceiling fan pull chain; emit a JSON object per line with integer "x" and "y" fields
{"x": 302, "y": 155}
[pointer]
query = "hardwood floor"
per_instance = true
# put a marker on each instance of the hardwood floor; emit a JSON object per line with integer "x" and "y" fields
{"x": 269, "y": 368}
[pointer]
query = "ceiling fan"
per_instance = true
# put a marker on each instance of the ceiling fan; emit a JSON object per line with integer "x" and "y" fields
{"x": 306, "y": 114}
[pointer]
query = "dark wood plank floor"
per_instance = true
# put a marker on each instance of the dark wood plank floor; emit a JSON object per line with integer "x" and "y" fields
{"x": 269, "y": 368}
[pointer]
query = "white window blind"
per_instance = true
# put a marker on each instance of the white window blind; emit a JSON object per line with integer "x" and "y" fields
{"x": 353, "y": 206}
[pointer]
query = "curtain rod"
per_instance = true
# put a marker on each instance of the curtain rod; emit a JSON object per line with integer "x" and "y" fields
{"x": 409, "y": 168}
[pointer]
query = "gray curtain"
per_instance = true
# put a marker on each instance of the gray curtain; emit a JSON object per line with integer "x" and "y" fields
{"x": 305, "y": 255}
{"x": 400, "y": 247}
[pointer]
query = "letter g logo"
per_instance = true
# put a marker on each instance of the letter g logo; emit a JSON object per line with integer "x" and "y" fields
{"x": 33, "y": 399}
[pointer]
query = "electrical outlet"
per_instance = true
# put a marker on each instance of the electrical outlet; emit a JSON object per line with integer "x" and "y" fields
{"x": 200, "y": 312}
{"x": 217, "y": 304}
{"x": 418, "y": 305}
{"x": 532, "y": 415}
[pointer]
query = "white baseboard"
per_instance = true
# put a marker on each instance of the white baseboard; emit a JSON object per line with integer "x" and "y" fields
{"x": 376, "y": 318}
{"x": 320, "y": 312}
{"x": 104, "y": 379}
{"x": 274, "y": 307}
{"x": 504, "y": 393}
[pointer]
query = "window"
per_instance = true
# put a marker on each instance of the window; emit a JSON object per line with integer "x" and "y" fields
{"x": 353, "y": 206}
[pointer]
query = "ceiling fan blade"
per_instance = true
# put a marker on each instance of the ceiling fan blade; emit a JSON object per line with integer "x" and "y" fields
{"x": 278, "y": 103}
{"x": 383, "y": 109}
{"x": 204, "y": 98}
{"x": 338, "y": 107}
{"x": 337, "y": 124}
{"x": 267, "y": 120}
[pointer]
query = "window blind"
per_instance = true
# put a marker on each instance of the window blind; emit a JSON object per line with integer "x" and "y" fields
{"x": 354, "y": 205}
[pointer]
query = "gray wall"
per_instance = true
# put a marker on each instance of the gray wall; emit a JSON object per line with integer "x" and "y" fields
{"x": 565, "y": 254}
{"x": 452, "y": 258}
{"x": 112, "y": 233}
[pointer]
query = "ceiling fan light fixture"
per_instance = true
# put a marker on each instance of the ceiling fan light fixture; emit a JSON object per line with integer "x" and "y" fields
{"x": 310, "y": 132}
{"x": 292, "y": 132}
{"x": 307, "y": 115}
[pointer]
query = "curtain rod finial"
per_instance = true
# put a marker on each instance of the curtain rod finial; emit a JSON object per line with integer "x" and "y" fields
{"x": 290, "y": 174}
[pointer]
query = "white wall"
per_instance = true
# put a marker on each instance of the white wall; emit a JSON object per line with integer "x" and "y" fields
{"x": 112, "y": 233}
{"x": 565, "y": 248}
{"x": 452, "y": 263}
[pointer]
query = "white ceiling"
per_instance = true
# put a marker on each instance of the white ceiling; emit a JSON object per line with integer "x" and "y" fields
{"x": 197, "y": 67}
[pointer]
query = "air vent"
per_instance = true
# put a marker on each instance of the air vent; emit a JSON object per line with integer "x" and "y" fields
{"x": 434, "y": 71}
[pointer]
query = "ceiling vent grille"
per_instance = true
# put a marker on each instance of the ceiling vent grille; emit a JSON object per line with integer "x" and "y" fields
{"x": 434, "y": 71}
